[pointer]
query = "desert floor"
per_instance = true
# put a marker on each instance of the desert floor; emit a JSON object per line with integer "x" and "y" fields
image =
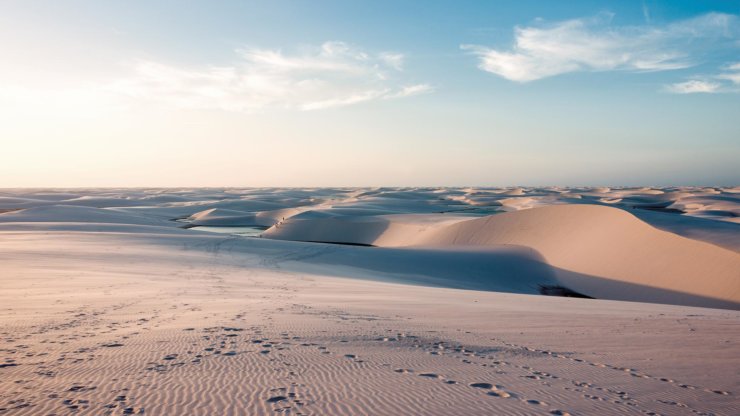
{"x": 431, "y": 305}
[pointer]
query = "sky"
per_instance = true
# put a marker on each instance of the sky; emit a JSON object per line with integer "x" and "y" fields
{"x": 377, "y": 93}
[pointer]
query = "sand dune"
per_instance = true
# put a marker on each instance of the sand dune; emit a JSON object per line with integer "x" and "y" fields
{"x": 67, "y": 213}
{"x": 609, "y": 244}
{"x": 115, "y": 308}
{"x": 599, "y": 250}
{"x": 588, "y": 240}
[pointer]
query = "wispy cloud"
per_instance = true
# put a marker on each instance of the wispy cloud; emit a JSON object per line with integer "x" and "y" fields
{"x": 645, "y": 12}
{"x": 332, "y": 75}
{"x": 595, "y": 44}
{"x": 411, "y": 90}
{"x": 731, "y": 73}
{"x": 726, "y": 81}
{"x": 693, "y": 86}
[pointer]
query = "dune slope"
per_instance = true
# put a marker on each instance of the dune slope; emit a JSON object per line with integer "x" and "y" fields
{"x": 596, "y": 250}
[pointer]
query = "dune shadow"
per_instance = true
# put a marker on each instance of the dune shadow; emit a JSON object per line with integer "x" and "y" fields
{"x": 513, "y": 269}
{"x": 604, "y": 288}
{"x": 510, "y": 270}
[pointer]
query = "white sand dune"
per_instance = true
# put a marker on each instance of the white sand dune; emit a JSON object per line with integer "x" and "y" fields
{"x": 598, "y": 251}
{"x": 593, "y": 250}
{"x": 606, "y": 243}
{"x": 73, "y": 214}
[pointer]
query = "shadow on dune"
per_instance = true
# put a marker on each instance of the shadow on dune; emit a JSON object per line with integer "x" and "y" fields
{"x": 512, "y": 270}
{"x": 317, "y": 227}
{"x": 602, "y": 288}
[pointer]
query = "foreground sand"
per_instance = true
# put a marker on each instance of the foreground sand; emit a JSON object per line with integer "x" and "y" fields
{"x": 108, "y": 308}
{"x": 111, "y": 323}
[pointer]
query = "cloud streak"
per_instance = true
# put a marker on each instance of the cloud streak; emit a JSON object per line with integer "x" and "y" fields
{"x": 693, "y": 86}
{"x": 726, "y": 81}
{"x": 594, "y": 44}
{"x": 334, "y": 74}
{"x": 731, "y": 73}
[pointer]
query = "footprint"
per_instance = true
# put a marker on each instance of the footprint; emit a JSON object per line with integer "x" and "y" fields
{"x": 495, "y": 390}
{"x": 81, "y": 388}
{"x": 276, "y": 399}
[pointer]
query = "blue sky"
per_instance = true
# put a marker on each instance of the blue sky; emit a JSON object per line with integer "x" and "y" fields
{"x": 324, "y": 93}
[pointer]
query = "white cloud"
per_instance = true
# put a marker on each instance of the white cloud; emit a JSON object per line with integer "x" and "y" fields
{"x": 332, "y": 75}
{"x": 709, "y": 84}
{"x": 411, "y": 90}
{"x": 393, "y": 60}
{"x": 731, "y": 73}
{"x": 594, "y": 44}
{"x": 345, "y": 100}
{"x": 694, "y": 86}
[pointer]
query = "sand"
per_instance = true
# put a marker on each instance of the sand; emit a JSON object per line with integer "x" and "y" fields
{"x": 113, "y": 308}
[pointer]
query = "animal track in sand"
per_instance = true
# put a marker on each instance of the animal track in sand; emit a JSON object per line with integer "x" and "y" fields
{"x": 276, "y": 399}
{"x": 491, "y": 389}
{"x": 489, "y": 357}
{"x": 631, "y": 371}
{"x": 221, "y": 341}
{"x": 494, "y": 390}
{"x": 79, "y": 388}
{"x": 283, "y": 401}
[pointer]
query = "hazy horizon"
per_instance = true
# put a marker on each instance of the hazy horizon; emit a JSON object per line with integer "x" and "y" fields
{"x": 336, "y": 94}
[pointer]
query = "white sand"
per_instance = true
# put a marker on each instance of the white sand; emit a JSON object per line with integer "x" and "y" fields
{"x": 116, "y": 310}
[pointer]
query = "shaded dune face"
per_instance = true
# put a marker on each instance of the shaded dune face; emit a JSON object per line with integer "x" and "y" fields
{"x": 599, "y": 251}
